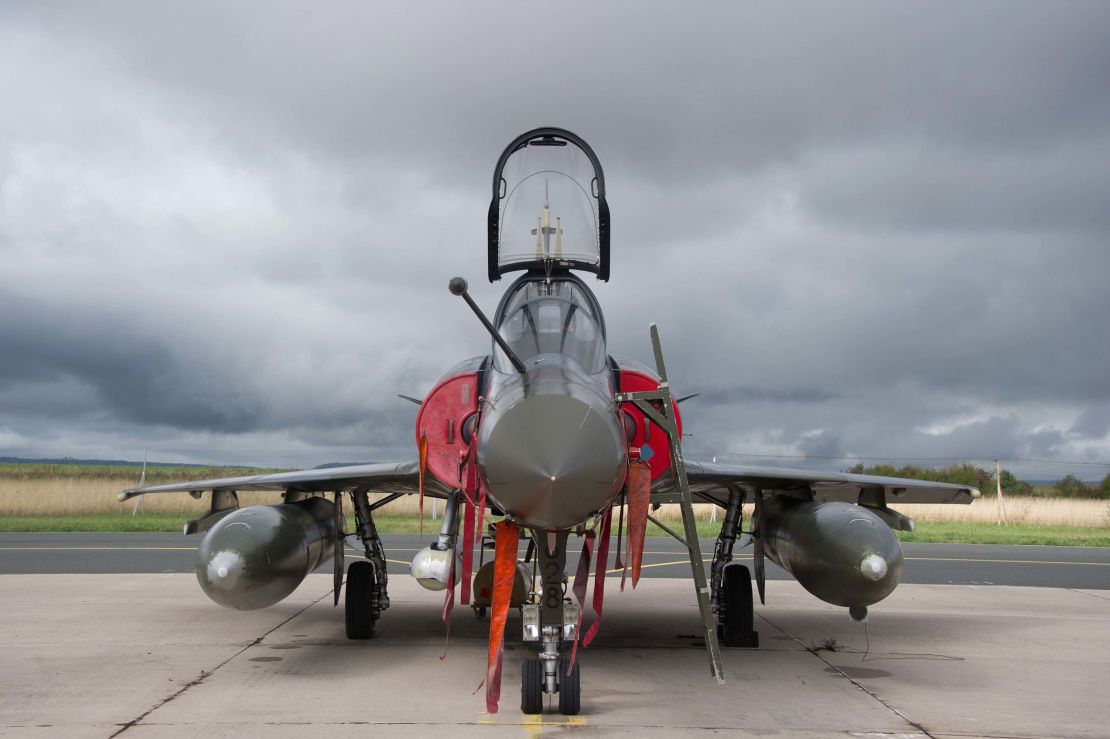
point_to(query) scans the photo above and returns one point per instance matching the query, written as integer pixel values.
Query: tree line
(968, 474)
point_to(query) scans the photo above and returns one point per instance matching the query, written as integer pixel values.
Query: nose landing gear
(551, 623)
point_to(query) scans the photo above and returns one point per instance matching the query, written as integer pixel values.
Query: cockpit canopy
(548, 209)
(556, 317)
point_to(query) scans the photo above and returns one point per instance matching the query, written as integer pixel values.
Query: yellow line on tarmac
(534, 721)
(1007, 561)
(644, 567)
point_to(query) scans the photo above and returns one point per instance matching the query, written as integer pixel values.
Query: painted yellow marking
(657, 564)
(399, 562)
(533, 723)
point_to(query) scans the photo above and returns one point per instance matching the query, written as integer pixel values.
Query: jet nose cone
(873, 567)
(552, 460)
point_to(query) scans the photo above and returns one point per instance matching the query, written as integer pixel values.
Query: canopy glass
(548, 210)
(551, 318)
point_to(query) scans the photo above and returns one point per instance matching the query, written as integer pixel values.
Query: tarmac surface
(149, 655)
(954, 564)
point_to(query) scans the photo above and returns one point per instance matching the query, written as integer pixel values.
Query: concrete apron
(89, 655)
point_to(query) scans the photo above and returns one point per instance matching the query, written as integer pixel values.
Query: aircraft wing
(403, 477)
(714, 480)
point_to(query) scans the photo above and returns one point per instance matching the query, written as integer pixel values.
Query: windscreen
(552, 318)
(549, 207)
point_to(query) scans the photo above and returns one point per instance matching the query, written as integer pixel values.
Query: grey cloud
(683, 94)
(229, 233)
(906, 185)
(1093, 422)
(822, 445)
(742, 394)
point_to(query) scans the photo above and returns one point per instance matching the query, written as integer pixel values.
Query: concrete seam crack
(850, 679)
(205, 674)
(1081, 592)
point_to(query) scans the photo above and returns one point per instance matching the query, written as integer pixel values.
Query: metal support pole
(998, 483)
(449, 530)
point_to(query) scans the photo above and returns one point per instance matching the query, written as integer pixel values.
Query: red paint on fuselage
(652, 435)
(441, 419)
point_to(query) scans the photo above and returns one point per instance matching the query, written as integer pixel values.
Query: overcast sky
(879, 230)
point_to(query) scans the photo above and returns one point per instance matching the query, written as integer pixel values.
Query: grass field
(54, 498)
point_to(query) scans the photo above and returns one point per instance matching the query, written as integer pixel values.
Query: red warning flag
(581, 579)
(423, 453)
(620, 535)
(468, 550)
(472, 484)
(479, 531)
(599, 575)
(639, 498)
(504, 575)
(448, 605)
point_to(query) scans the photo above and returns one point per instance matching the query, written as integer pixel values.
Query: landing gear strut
(550, 623)
(367, 582)
(732, 583)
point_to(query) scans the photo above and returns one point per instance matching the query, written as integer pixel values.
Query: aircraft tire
(357, 609)
(738, 629)
(531, 686)
(570, 689)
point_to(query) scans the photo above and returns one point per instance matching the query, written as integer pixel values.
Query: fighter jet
(547, 436)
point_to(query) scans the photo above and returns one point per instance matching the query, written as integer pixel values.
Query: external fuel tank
(840, 552)
(258, 555)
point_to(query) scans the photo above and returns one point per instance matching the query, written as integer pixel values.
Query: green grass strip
(987, 533)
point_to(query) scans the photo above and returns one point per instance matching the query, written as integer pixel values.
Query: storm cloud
(872, 230)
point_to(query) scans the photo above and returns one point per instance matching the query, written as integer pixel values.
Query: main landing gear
(732, 583)
(550, 626)
(367, 582)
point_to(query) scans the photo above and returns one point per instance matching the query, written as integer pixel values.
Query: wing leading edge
(713, 479)
(402, 477)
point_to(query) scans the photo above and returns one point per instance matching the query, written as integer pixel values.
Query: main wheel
(738, 629)
(531, 686)
(360, 591)
(570, 688)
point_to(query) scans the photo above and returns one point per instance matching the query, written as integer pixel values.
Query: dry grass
(1019, 510)
(67, 495)
(60, 496)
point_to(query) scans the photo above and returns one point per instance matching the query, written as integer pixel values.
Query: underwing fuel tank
(840, 552)
(258, 555)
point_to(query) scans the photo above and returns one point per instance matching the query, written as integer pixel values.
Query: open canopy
(548, 210)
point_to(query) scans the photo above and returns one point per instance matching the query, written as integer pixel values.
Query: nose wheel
(570, 688)
(532, 687)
